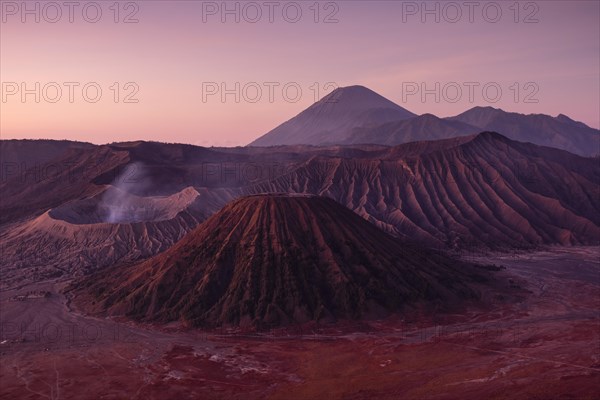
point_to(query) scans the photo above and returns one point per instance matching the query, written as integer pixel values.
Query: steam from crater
(118, 200)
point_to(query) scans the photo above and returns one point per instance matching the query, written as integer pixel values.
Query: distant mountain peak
(560, 132)
(566, 119)
(332, 119)
(357, 115)
(354, 88)
(485, 109)
(428, 116)
(357, 96)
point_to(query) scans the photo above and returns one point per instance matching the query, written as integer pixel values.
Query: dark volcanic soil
(546, 347)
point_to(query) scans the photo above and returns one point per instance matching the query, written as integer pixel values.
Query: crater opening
(116, 206)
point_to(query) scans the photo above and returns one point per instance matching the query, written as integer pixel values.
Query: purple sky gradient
(171, 52)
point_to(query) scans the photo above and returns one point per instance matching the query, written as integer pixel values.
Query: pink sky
(171, 53)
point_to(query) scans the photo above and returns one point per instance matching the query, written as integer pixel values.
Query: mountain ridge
(357, 115)
(476, 191)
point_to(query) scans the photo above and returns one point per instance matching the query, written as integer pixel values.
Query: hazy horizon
(99, 141)
(544, 57)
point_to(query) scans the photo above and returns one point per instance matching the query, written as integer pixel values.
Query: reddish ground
(547, 347)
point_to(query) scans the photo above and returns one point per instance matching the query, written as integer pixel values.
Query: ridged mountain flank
(480, 191)
(278, 259)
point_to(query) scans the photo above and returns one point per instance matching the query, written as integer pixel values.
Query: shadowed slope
(279, 259)
(423, 127)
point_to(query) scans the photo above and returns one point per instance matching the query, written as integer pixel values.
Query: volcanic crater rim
(117, 206)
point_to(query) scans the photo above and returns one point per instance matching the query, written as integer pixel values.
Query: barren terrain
(545, 347)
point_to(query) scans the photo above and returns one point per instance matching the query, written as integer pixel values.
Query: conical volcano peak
(278, 259)
(332, 119)
(358, 96)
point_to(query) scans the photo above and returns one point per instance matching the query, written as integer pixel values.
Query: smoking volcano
(118, 206)
(84, 235)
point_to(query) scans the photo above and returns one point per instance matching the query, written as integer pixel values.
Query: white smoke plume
(119, 202)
